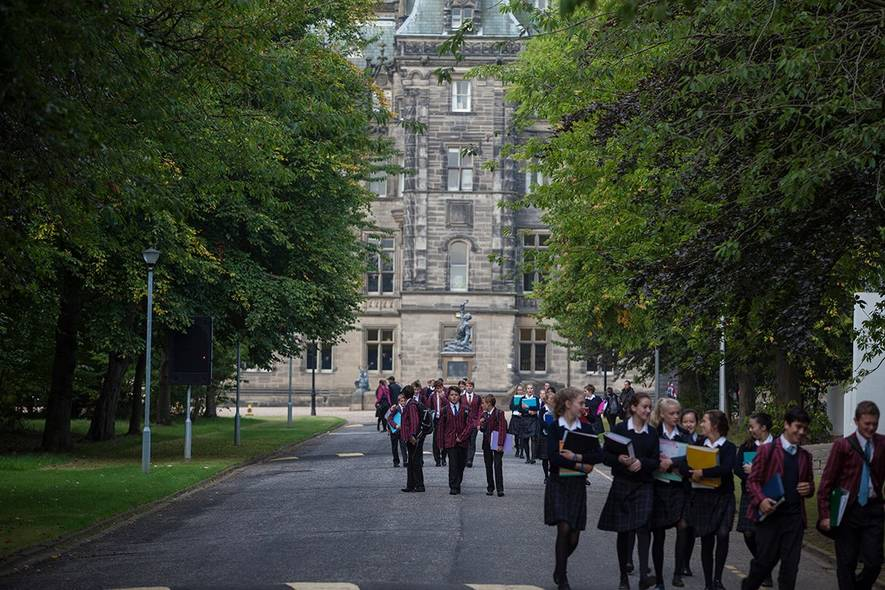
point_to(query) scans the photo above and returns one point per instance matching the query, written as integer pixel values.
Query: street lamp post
(150, 256)
(657, 374)
(313, 382)
(722, 397)
(290, 392)
(237, 413)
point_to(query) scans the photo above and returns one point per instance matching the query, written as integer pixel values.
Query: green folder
(838, 503)
(749, 456)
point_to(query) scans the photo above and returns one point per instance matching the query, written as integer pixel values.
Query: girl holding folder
(671, 491)
(759, 430)
(711, 510)
(565, 494)
(628, 509)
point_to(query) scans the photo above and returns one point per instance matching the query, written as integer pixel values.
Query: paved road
(322, 518)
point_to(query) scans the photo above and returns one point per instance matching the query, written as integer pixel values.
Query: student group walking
(666, 476)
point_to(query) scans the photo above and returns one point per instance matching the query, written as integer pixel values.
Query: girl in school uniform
(711, 511)
(382, 404)
(759, 430)
(684, 549)
(516, 421)
(529, 423)
(628, 508)
(545, 417)
(670, 496)
(565, 497)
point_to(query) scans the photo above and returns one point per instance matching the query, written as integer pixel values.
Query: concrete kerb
(21, 561)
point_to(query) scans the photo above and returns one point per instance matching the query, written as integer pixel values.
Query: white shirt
(719, 442)
(630, 426)
(759, 443)
(787, 444)
(469, 397)
(567, 426)
(672, 434)
(454, 408)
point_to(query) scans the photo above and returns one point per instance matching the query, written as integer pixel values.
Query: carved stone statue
(362, 381)
(463, 341)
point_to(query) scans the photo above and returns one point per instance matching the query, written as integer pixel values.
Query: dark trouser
(414, 472)
(778, 538)
(438, 454)
(471, 446)
(397, 446)
(611, 421)
(860, 535)
(494, 469)
(457, 460)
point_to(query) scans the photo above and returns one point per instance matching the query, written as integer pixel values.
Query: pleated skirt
(565, 500)
(669, 504)
(628, 506)
(710, 512)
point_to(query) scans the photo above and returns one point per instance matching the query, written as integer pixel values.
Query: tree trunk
(211, 407)
(57, 429)
(104, 417)
(786, 380)
(135, 408)
(746, 380)
(164, 393)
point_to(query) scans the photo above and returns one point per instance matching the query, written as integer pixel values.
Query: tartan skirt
(565, 500)
(710, 512)
(745, 525)
(669, 504)
(628, 506)
(541, 447)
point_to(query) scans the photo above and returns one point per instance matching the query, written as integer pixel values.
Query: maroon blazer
(844, 467)
(475, 408)
(495, 421)
(410, 421)
(453, 429)
(770, 460)
(431, 402)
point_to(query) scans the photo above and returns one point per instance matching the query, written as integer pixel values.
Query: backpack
(613, 408)
(425, 420)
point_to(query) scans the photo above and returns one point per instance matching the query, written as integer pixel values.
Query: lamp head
(151, 256)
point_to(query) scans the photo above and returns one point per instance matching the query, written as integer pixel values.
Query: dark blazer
(645, 447)
(725, 469)
(592, 406)
(453, 428)
(475, 408)
(491, 422)
(554, 436)
(844, 468)
(770, 460)
(746, 447)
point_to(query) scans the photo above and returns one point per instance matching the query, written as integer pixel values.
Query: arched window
(459, 253)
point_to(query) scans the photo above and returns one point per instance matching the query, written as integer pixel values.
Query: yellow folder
(702, 458)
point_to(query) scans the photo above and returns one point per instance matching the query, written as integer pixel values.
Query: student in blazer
(779, 534)
(454, 430)
(711, 512)
(565, 496)
(436, 403)
(685, 539)
(759, 431)
(855, 459)
(492, 420)
(473, 403)
(409, 431)
(628, 508)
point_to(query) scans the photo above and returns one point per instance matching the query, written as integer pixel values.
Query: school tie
(863, 494)
(791, 449)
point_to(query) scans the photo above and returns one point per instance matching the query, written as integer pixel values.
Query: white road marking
(345, 455)
(322, 586)
(293, 458)
(145, 588)
(353, 426)
(502, 587)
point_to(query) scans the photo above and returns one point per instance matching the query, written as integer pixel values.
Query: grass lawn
(43, 496)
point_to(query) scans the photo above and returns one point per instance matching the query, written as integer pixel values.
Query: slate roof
(426, 18)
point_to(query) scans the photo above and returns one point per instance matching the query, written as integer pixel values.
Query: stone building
(440, 225)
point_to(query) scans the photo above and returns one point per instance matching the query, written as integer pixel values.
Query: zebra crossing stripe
(322, 586)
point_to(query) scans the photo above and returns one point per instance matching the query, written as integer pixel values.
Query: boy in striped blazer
(493, 420)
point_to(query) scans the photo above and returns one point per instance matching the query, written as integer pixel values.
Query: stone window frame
(450, 265)
(536, 246)
(465, 12)
(464, 163)
(322, 346)
(379, 270)
(456, 85)
(380, 341)
(533, 342)
(378, 183)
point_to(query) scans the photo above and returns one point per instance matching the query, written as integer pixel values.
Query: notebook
(838, 503)
(703, 458)
(581, 443)
(774, 489)
(617, 444)
(508, 442)
(672, 450)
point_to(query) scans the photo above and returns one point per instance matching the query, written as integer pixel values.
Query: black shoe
(717, 584)
(452, 491)
(490, 492)
(660, 586)
(677, 581)
(629, 567)
(469, 465)
(625, 582)
(444, 463)
(419, 489)
(500, 494)
(532, 461)
(563, 583)
(545, 479)
(767, 583)
(396, 464)
(407, 490)
(437, 463)
(556, 577)
(646, 582)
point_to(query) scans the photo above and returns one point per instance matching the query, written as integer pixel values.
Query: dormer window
(460, 15)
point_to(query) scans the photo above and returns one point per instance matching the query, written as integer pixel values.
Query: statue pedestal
(457, 366)
(357, 400)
